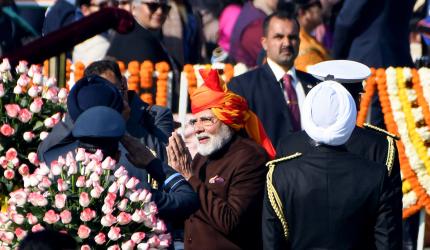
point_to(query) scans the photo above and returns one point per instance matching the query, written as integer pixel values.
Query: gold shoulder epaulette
(369, 126)
(286, 158)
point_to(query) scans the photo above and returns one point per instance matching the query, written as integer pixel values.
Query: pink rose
(97, 156)
(134, 197)
(165, 242)
(128, 245)
(15, 162)
(107, 209)
(32, 158)
(5, 65)
(62, 94)
(12, 110)
(56, 168)
(20, 234)
(3, 161)
(80, 155)
(23, 80)
(1, 90)
(160, 227)
(18, 218)
(52, 94)
(33, 91)
(24, 170)
(11, 154)
(19, 197)
(24, 115)
(138, 237)
(49, 122)
(84, 199)
(44, 183)
(120, 172)
(138, 216)
(31, 219)
(28, 136)
(37, 78)
(36, 105)
(143, 246)
(96, 191)
(17, 90)
(66, 217)
(83, 231)
(9, 174)
(114, 247)
(62, 185)
(51, 82)
(51, 217)
(154, 241)
(132, 183)
(6, 237)
(124, 218)
(87, 214)
(110, 199)
(122, 206)
(108, 163)
(114, 233)
(22, 67)
(100, 238)
(80, 182)
(85, 247)
(108, 220)
(7, 130)
(43, 135)
(113, 188)
(60, 200)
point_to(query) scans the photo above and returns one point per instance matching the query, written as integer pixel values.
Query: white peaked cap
(329, 114)
(342, 71)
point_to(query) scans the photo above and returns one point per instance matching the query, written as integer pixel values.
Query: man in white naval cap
(328, 198)
(369, 142)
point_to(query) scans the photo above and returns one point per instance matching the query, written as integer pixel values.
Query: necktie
(292, 102)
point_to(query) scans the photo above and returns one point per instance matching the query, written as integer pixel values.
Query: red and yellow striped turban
(230, 108)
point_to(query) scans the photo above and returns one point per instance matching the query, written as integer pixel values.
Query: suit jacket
(368, 144)
(230, 184)
(374, 32)
(331, 199)
(266, 98)
(62, 13)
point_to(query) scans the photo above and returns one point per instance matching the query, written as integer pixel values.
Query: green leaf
(38, 125)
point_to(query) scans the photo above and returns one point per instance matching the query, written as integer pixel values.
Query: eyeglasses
(153, 7)
(203, 121)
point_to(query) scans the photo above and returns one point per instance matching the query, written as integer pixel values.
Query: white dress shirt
(279, 74)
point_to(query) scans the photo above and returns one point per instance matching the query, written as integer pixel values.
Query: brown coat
(230, 184)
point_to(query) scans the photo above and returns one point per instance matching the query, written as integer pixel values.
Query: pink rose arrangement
(30, 105)
(86, 196)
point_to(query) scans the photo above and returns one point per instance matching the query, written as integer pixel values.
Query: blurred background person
(309, 15)
(245, 42)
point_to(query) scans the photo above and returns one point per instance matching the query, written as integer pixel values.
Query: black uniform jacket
(331, 199)
(365, 142)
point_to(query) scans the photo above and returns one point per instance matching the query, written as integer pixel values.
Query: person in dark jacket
(368, 142)
(174, 197)
(327, 197)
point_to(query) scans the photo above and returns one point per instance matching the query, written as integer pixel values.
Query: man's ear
(264, 43)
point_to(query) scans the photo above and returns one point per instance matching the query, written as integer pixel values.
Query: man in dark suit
(376, 33)
(275, 91)
(367, 142)
(327, 197)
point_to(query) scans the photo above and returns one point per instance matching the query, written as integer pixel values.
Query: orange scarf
(230, 108)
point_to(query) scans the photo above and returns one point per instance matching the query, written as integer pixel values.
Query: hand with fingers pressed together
(179, 158)
(138, 154)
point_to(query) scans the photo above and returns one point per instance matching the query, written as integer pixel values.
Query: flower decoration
(30, 105)
(85, 196)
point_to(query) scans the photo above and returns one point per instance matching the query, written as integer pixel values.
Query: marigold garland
(162, 69)
(133, 78)
(366, 98)
(78, 71)
(191, 78)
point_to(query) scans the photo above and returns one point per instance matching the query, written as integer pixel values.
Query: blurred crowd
(208, 31)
